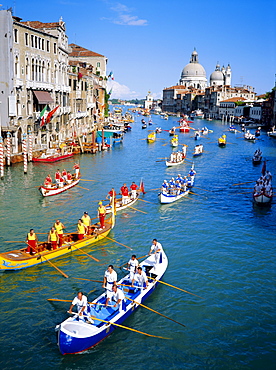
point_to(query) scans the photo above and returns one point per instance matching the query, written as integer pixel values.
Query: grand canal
(219, 247)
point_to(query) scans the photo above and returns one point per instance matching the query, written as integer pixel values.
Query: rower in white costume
(140, 278)
(156, 249)
(110, 279)
(81, 301)
(118, 296)
(132, 266)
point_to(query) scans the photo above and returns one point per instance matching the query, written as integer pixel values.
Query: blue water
(219, 245)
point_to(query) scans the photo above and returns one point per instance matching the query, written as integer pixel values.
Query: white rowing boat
(75, 336)
(54, 189)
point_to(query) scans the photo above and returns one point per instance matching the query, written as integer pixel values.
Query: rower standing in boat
(32, 242)
(59, 228)
(53, 238)
(110, 279)
(132, 266)
(156, 249)
(64, 174)
(133, 188)
(69, 177)
(81, 301)
(86, 220)
(76, 167)
(57, 177)
(82, 229)
(48, 181)
(101, 215)
(124, 192)
(140, 278)
(111, 194)
(119, 297)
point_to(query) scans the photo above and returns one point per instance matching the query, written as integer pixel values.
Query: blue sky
(148, 43)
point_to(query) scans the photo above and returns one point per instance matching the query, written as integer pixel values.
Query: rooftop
(79, 51)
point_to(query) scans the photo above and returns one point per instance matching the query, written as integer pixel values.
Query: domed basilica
(194, 75)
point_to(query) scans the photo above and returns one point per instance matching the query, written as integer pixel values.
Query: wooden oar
(77, 186)
(241, 183)
(14, 241)
(201, 188)
(63, 273)
(137, 259)
(150, 309)
(142, 200)
(115, 241)
(172, 286)
(93, 258)
(135, 209)
(154, 189)
(87, 180)
(191, 192)
(161, 160)
(245, 192)
(125, 327)
(95, 281)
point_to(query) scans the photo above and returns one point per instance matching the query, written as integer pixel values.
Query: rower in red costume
(124, 192)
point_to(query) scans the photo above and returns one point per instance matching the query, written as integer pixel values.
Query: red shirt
(57, 175)
(112, 193)
(124, 190)
(48, 178)
(133, 187)
(64, 173)
(69, 176)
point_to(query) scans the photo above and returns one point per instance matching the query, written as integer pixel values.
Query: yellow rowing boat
(18, 259)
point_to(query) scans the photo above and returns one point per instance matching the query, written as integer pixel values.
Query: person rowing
(53, 238)
(59, 228)
(81, 229)
(132, 266)
(86, 220)
(156, 249)
(110, 279)
(140, 278)
(81, 302)
(101, 215)
(119, 297)
(31, 240)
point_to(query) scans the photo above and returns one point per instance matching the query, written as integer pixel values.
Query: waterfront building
(227, 107)
(221, 76)
(148, 104)
(40, 72)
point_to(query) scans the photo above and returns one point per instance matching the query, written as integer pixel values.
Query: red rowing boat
(53, 158)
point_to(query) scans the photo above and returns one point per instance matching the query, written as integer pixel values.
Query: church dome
(193, 70)
(216, 75)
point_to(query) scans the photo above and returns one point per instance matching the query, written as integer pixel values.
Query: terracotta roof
(78, 51)
(39, 25)
(234, 100)
(177, 87)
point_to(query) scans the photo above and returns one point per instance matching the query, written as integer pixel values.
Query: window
(35, 41)
(26, 39)
(39, 43)
(75, 85)
(55, 48)
(48, 45)
(32, 41)
(15, 35)
(98, 65)
(42, 44)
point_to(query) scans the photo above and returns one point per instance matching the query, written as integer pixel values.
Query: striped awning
(43, 97)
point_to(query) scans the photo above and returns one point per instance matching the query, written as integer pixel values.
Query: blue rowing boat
(75, 336)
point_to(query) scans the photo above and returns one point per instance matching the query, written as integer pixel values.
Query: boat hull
(119, 206)
(167, 198)
(47, 192)
(171, 164)
(53, 158)
(75, 336)
(262, 199)
(185, 130)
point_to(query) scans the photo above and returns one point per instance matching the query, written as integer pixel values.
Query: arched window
(15, 35)
(16, 66)
(33, 70)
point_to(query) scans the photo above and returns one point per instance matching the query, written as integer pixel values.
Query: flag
(42, 116)
(142, 189)
(50, 114)
(111, 75)
(79, 76)
(264, 168)
(110, 92)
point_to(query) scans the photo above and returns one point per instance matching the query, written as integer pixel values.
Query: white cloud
(125, 17)
(128, 20)
(120, 91)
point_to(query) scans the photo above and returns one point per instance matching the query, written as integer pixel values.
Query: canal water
(219, 245)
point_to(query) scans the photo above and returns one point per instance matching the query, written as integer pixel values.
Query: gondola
(222, 141)
(76, 336)
(54, 189)
(263, 199)
(151, 137)
(120, 206)
(198, 150)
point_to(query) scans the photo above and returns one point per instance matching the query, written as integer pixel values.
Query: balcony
(37, 85)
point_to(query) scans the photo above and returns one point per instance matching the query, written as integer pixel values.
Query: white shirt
(110, 276)
(133, 264)
(80, 303)
(154, 248)
(141, 279)
(118, 295)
